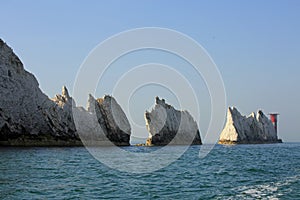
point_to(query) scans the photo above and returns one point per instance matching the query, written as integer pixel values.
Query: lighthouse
(273, 117)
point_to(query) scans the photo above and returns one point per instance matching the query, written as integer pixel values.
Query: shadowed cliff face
(27, 116)
(167, 125)
(255, 128)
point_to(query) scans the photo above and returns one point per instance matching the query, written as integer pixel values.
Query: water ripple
(228, 172)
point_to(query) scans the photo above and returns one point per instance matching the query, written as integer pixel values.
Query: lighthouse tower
(273, 117)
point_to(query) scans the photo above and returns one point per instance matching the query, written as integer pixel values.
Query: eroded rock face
(255, 128)
(109, 121)
(29, 118)
(59, 116)
(166, 125)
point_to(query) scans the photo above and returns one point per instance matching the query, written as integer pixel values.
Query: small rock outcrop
(166, 125)
(252, 129)
(29, 118)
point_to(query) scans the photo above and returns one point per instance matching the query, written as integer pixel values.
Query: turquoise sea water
(270, 171)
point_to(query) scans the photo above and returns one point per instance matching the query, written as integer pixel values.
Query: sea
(258, 171)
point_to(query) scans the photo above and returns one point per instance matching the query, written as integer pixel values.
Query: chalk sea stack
(253, 129)
(29, 118)
(111, 122)
(166, 125)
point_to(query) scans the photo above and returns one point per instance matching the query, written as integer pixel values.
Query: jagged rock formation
(28, 117)
(255, 128)
(166, 125)
(106, 122)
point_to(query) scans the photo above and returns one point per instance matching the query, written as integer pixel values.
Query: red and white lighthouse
(273, 117)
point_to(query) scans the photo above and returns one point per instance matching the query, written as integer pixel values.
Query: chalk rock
(111, 121)
(166, 125)
(255, 128)
(29, 118)
(59, 115)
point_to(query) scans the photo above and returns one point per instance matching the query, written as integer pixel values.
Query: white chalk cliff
(106, 122)
(29, 118)
(166, 125)
(255, 128)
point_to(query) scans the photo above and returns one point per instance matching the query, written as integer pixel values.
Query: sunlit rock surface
(166, 125)
(29, 118)
(255, 128)
(109, 121)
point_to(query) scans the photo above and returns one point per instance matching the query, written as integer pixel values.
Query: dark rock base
(49, 141)
(248, 142)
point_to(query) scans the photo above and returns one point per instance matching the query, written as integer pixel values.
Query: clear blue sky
(255, 44)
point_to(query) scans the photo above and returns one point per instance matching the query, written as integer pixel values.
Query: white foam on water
(265, 191)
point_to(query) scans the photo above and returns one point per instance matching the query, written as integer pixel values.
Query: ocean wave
(272, 190)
